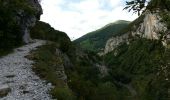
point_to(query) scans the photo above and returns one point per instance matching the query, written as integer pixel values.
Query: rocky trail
(17, 80)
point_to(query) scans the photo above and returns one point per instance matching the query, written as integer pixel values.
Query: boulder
(4, 90)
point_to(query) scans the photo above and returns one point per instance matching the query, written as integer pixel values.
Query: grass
(4, 52)
(46, 64)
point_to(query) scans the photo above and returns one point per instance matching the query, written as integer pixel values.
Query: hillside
(45, 65)
(138, 60)
(96, 40)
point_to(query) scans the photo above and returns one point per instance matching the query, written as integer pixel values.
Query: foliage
(10, 30)
(106, 91)
(44, 31)
(46, 62)
(46, 66)
(63, 93)
(136, 5)
(96, 40)
(83, 77)
(166, 19)
(161, 4)
(139, 6)
(139, 64)
(85, 81)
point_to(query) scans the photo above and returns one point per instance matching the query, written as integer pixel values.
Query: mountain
(96, 40)
(64, 64)
(138, 60)
(54, 61)
(135, 64)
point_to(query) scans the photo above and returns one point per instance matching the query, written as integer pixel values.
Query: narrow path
(17, 75)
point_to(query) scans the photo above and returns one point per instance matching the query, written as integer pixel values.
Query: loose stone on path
(17, 80)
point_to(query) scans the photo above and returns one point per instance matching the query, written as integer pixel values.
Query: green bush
(44, 31)
(105, 91)
(139, 63)
(10, 30)
(63, 93)
(46, 64)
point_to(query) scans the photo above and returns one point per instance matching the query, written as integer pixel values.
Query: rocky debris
(16, 73)
(4, 90)
(60, 68)
(103, 69)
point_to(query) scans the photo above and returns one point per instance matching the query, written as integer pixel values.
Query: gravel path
(16, 73)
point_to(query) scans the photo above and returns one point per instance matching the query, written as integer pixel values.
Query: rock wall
(151, 27)
(113, 42)
(27, 21)
(60, 71)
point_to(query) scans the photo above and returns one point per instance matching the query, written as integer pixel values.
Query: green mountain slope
(137, 65)
(94, 41)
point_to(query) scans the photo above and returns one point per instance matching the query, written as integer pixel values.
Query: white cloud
(79, 17)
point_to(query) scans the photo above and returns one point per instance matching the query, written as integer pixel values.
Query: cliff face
(142, 61)
(113, 42)
(151, 27)
(16, 19)
(28, 21)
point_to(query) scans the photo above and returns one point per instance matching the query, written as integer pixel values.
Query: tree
(161, 4)
(139, 5)
(136, 5)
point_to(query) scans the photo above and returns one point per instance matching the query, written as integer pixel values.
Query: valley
(121, 61)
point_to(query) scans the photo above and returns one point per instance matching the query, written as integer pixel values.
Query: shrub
(44, 31)
(10, 30)
(62, 93)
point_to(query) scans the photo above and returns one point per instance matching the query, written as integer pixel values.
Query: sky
(78, 17)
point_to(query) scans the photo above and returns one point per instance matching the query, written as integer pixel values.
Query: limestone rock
(27, 21)
(4, 90)
(151, 26)
(60, 70)
(113, 42)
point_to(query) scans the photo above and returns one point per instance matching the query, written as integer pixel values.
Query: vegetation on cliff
(10, 30)
(96, 40)
(84, 81)
(138, 70)
(143, 63)
(44, 31)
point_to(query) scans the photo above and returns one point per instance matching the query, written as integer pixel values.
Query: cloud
(78, 17)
